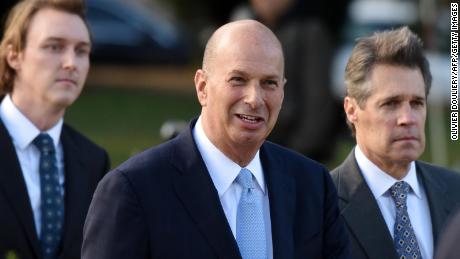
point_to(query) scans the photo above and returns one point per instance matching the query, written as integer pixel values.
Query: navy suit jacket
(162, 203)
(85, 164)
(369, 234)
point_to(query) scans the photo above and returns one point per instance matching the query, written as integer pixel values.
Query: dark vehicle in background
(126, 33)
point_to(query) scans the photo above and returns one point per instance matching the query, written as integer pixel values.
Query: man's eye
(271, 83)
(390, 103)
(82, 51)
(236, 79)
(418, 103)
(54, 47)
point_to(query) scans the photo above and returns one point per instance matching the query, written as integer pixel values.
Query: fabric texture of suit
(85, 164)
(369, 234)
(162, 203)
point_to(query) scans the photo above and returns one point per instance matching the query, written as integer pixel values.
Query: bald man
(219, 189)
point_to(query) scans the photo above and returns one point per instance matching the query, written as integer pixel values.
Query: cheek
(422, 118)
(274, 102)
(84, 66)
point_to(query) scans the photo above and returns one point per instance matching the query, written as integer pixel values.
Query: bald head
(244, 33)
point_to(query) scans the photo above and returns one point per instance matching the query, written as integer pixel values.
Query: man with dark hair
(219, 190)
(394, 206)
(48, 171)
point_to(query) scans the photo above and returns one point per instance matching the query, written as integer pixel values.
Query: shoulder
(348, 166)
(289, 157)
(450, 177)
(152, 165)
(442, 172)
(305, 172)
(152, 157)
(94, 157)
(79, 140)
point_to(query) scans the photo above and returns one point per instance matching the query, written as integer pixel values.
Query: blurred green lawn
(126, 121)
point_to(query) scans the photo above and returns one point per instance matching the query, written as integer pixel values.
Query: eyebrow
(235, 71)
(84, 43)
(399, 97)
(239, 72)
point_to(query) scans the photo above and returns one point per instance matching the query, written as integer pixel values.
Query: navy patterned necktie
(52, 203)
(250, 227)
(405, 241)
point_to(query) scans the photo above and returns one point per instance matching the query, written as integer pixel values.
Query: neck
(42, 116)
(241, 156)
(396, 170)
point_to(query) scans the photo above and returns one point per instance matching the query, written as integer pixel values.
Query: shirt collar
(380, 182)
(223, 170)
(21, 129)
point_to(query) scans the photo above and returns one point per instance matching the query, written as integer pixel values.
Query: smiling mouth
(249, 118)
(67, 81)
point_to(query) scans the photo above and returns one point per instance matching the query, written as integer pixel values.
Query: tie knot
(399, 192)
(44, 143)
(244, 178)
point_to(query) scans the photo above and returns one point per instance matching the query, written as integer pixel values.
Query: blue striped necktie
(52, 203)
(250, 227)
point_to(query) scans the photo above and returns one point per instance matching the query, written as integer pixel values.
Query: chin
(249, 139)
(65, 101)
(408, 155)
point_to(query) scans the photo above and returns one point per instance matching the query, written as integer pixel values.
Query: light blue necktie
(250, 227)
(405, 241)
(52, 204)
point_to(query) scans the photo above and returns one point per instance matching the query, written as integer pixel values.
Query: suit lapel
(439, 203)
(195, 189)
(13, 186)
(75, 181)
(361, 212)
(282, 204)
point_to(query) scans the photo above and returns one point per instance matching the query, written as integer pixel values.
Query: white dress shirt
(417, 203)
(223, 172)
(23, 132)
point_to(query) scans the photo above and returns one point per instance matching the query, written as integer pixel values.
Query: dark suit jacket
(85, 164)
(162, 203)
(369, 234)
(449, 247)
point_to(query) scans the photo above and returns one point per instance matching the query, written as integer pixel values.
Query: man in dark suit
(393, 205)
(48, 171)
(219, 190)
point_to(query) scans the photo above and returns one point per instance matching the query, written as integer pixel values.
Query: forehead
(51, 23)
(250, 56)
(394, 81)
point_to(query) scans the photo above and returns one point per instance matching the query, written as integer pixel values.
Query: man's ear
(13, 58)
(350, 107)
(201, 83)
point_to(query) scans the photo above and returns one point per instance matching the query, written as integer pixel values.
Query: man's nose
(407, 115)
(254, 96)
(69, 60)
